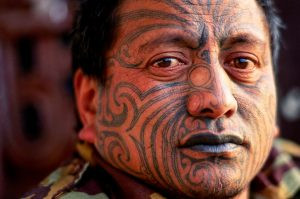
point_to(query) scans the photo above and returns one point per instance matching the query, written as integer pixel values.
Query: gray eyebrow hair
(146, 13)
(244, 38)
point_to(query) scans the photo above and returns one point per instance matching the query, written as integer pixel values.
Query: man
(176, 99)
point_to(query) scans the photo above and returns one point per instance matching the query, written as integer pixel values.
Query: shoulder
(62, 183)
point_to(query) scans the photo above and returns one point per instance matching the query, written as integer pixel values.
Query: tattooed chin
(214, 177)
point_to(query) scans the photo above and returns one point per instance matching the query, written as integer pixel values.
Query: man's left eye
(167, 62)
(242, 63)
(244, 68)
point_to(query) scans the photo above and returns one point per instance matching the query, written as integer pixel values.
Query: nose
(211, 94)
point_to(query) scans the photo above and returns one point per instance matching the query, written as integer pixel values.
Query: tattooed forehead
(219, 17)
(186, 10)
(184, 6)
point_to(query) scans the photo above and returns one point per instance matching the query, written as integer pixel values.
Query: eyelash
(168, 66)
(241, 66)
(248, 74)
(249, 58)
(161, 60)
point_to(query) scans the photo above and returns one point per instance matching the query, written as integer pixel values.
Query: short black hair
(275, 25)
(93, 34)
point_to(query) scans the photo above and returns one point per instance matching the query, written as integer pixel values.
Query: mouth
(212, 143)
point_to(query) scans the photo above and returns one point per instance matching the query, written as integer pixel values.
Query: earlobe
(88, 133)
(86, 93)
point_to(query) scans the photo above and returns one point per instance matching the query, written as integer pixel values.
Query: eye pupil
(241, 63)
(166, 62)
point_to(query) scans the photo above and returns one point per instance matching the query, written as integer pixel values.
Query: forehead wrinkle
(183, 7)
(214, 14)
(174, 5)
(219, 21)
(223, 26)
(149, 14)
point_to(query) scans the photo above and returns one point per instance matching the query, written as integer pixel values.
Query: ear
(87, 96)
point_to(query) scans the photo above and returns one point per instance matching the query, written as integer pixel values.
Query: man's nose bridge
(210, 78)
(211, 92)
(222, 87)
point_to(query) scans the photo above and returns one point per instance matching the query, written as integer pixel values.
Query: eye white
(166, 62)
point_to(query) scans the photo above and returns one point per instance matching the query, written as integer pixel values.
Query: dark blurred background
(36, 106)
(289, 70)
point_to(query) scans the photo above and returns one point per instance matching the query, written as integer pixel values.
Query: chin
(213, 178)
(217, 193)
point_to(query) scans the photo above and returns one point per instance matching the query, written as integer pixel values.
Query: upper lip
(211, 139)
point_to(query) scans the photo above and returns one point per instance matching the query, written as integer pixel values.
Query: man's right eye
(168, 66)
(168, 62)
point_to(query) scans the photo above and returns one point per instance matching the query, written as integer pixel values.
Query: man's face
(189, 102)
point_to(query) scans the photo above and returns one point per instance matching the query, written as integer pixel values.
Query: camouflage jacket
(85, 178)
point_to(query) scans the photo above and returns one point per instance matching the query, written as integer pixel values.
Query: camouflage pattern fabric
(280, 176)
(89, 177)
(61, 181)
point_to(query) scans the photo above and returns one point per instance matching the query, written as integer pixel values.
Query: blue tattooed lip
(220, 148)
(212, 143)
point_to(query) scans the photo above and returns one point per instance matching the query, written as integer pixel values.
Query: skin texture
(179, 70)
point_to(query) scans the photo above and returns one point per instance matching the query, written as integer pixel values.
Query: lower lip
(220, 148)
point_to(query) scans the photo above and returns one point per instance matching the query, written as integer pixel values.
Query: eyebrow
(244, 38)
(168, 39)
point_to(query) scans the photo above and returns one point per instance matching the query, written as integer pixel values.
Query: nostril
(206, 110)
(229, 113)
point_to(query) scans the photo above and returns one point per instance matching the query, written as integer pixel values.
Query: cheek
(257, 111)
(115, 142)
(257, 103)
(120, 75)
(133, 123)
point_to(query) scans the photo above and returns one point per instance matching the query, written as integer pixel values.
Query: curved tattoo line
(148, 119)
(174, 5)
(145, 167)
(151, 102)
(117, 119)
(154, 132)
(146, 13)
(144, 94)
(129, 39)
(118, 142)
(141, 144)
(172, 139)
(199, 163)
